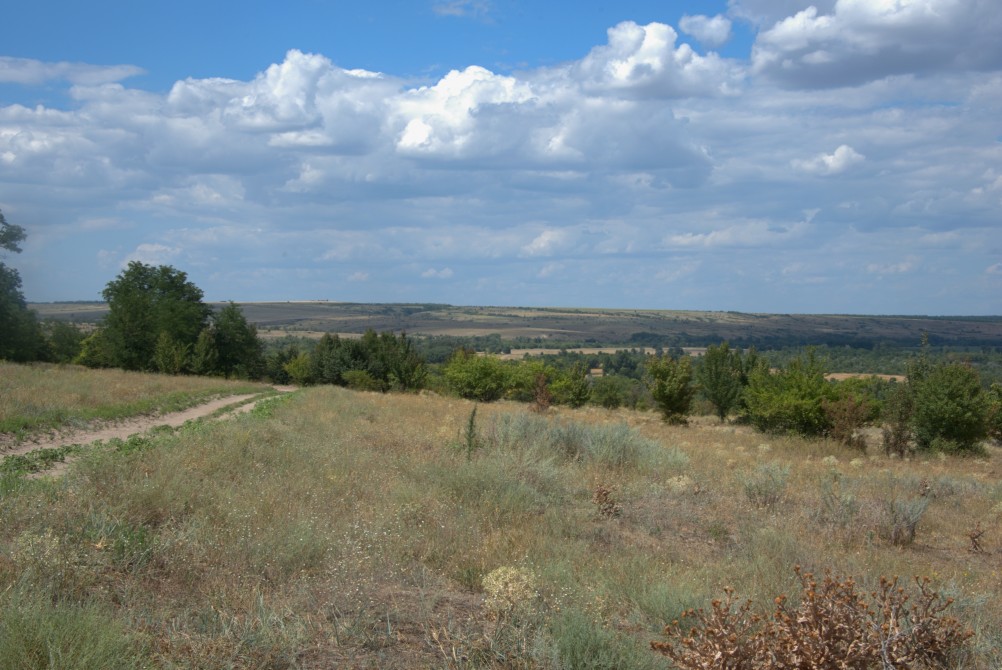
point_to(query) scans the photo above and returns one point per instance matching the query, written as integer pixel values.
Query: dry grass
(41, 396)
(341, 529)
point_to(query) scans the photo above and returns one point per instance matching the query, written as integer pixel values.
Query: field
(598, 326)
(337, 529)
(41, 396)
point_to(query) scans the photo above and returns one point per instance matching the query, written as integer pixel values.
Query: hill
(598, 326)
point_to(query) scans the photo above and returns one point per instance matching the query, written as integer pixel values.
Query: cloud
(152, 254)
(644, 61)
(901, 267)
(859, 41)
(32, 72)
(838, 162)
(576, 182)
(994, 269)
(712, 31)
(462, 8)
(432, 273)
(746, 234)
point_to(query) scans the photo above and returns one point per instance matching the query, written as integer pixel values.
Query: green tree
(791, 399)
(481, 378)
(572, 387)
(950, 409)
(65, 341)
(238, 349)
(719, 377)
(995, 412)
(170, 356)
(21, 336)
(145, 301)
(205, 355)
(670, 382)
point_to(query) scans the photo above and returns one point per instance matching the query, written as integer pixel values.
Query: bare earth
(135, 426)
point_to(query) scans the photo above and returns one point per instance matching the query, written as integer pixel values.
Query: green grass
(335, 529)
(41, 396)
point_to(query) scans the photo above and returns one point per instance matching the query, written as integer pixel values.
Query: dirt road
(128, 427)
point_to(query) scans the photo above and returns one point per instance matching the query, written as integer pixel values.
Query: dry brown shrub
(834, 627)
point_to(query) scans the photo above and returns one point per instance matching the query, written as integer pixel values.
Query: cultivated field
(601, 326)
(337, 529)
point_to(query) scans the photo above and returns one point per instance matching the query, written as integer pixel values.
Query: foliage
(950, 411)
(995, 412)
(237, 350)
(391, 362)
(719, 376)
(65, 341)
(480, 378)
(572, 387)
(897, 418)
(144, 302)
(299, 369)
(670, 382)
(170, 356)
(790, 399)
(20, 335)
(612, 391)
(833, 627)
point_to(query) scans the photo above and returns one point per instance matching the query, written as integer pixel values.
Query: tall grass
(335, 529)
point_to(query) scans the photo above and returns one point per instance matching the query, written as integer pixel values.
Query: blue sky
(751, 155)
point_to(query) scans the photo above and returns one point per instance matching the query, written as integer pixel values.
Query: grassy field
(601, 326)
(41, 396)
(329, 528)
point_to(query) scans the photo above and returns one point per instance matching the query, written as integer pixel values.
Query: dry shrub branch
(834, 627)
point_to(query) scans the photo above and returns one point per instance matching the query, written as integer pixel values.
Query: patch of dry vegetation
(337, 529)
(41, 396)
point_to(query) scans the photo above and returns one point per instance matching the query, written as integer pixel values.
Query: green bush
(791, 399)
(951, 410)
(670, 382)
(480, 378)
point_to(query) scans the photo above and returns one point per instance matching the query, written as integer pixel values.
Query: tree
(791, 399)
(64, 339)
(20, 334)
(950, 409)
(238, 350)
(670, 382)
(481, 378)
(572, 387)
(145, 301)
(719, 377)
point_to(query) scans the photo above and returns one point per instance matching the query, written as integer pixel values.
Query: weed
(765, 485)
(901, 518)
(833, 627)
(606, 502)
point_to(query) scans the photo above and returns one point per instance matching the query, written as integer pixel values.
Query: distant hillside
(599, 326)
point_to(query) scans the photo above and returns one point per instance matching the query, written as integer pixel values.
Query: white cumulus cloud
(843, 158)
(713, 31)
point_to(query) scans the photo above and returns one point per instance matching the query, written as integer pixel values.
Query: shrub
(897, 417)
(834, 627)
(670, 382)
(951, 411)
(480, 378)
(765, 485)
(572, 387)
(790, 400)
(995, 412)
(719, 376)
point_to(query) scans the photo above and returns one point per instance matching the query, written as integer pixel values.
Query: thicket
(374, 362)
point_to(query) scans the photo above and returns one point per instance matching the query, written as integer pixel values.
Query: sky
(775, 156)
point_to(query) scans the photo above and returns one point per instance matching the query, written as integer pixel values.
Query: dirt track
(128, 427)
